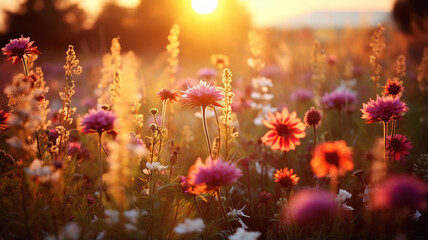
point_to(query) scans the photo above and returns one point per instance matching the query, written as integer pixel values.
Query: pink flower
(18, 48)
(76, 149)
(398, 146)
(216, 173)
(383, 109)
(311, 206)
(167, 94)
(202, 95)
(338, 99)
(301, 95)
(398, 192)
(207, 73)
(98, 121)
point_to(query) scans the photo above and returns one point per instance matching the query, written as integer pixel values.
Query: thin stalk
(170, 173)
(219, 136)
(384, 146)
(333, 184)
(207, 136)
(153, 147)
(175, 218)
(315, 140)
(340, 122)
(25, 67)
(38, 146)
(162, 126)
(223, 212)
(100, 163)
(24, 208)
(197, 207)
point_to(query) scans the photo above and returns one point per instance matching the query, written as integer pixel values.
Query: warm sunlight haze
(204, 6)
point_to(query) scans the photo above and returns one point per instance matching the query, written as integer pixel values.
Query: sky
(265, 12)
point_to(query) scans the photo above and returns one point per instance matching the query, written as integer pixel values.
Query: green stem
(207, 137)
(315, 140)
(162, 126)
(223, 212)
(384, 146)
(219, 136)
(197, 207)
(100, 163)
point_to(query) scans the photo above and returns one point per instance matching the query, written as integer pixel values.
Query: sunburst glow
(204, 6)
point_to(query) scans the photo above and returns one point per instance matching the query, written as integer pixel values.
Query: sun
(204, 6)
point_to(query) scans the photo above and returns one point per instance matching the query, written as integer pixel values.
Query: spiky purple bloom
(398, 192)
(216, 173)
(383, 109)
(207, 73)
(202, 95)
(301, 95)
(311, 206)
(312, 117)
(18, 48)
(98, 121)
(398, 146)
(338, 99)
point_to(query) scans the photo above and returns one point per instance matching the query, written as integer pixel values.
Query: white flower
(153, 167)
(130, 227)
(112, 216)
(72, 231)
(146, 192)
(342, 196)
(190, 226)
(346, 207)
(131, 215)
(36, 168)
(367, 192)
(241, 234)
(255, 95)
(101, 236)
(267, 96)
(416, 216)
(237, 214)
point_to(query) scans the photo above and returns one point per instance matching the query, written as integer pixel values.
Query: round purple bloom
(312, 117)
(18, 48)
(338, 99)
(98, 121)
(216, 173)
(383, 109)
(400, 191)
(398, 146)
(311, 206)
(301, 95)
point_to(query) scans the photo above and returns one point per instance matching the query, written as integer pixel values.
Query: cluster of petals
(216, 173)
(338, 99)
(202, 95)
(333, 158)
(312, 117)
(285, 130)
(383, 109)
(242, 234)
(341, 198)
(154, 167)
(190, 226)
(18, 48)
(393, 88)
(398, 146)
(98, 121)
(285, 177)
(168, 95)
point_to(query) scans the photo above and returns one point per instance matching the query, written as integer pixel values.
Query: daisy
(285, 177)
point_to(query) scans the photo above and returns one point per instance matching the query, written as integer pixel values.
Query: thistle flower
(398, 146)
(393, 88)
(398, 192)
(312, 117)
(167, 94)
(18, 48)
(311, 207)
(216, 173)
(301, 95)
(98, 121)
(285, 177)
(190, 226)
(202, 95)
(383, 109)
(285, 130)
(332, 157)
(338, 99)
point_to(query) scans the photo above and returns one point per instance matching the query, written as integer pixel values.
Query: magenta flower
(383, 109)
(301, 95)
(207, 73)
(311, 206)
(338, 99)
(202, 95)
(398, 146)
(18, 48)
(98, 121)
(398, 192)
(216, 173)
(76, 149)
(167, 94)
(312, 117)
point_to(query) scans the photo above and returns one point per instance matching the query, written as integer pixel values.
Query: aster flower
(393, 88)
(312, 117)
(168, 95)
(338, 99)
(98, 121)
(301, 95)
(216, 173)
(398, 146)
(332, 157)
(242, 234)
(190, 226)
(285, 130)
(398, 192)
(311, 207)
(202, 95)
(383, 109)
(286, 177)
(18, 48)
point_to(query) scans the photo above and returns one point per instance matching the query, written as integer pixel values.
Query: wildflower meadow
(289, 135)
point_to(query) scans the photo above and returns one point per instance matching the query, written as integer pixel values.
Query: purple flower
(398, 146)
(383, 109)
(98, 121)
(338, 99)
(216, 173)
(398, 192)
(207, 73)
(311, 206)
(202, 95)
(18, 48)
(301, 95)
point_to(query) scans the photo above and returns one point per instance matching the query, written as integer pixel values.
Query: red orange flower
(393, 88)
(167, 94)
(285, 130)
(332, 157)
(188, 184)
(286, 177)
